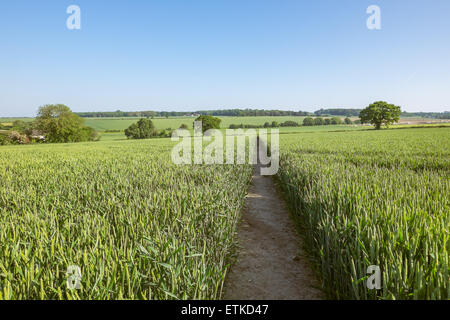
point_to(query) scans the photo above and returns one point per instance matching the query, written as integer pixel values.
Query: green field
(102, 124)
(373, 198)
(138, 226)
(141, 227)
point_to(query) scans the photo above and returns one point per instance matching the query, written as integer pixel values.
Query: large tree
(319, 122)
(143, 129)
(308, 121)
(209, 122)
(380, 113)
(59, 124)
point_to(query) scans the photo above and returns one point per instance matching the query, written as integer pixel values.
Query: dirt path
(270, 262)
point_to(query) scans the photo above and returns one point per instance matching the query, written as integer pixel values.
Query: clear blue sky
(192, 55)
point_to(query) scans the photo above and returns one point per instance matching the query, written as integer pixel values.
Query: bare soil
(271, 263)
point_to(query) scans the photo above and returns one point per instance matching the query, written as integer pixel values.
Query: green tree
(348, 121)
(289, 123)
(209, 122)
(319, 122)
(327, 121)
(143, 129)
(308, 121)
(275, 124)
(380, 113)
(336, 120)
(59, 124)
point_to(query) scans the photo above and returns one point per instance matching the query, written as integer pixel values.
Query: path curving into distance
(271, 264)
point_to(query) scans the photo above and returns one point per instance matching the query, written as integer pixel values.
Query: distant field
(11, 120)
(102, 124)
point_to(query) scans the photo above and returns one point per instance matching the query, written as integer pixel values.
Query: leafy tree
(59, 124)
(4, 139)
(184, 126)
(267, 125)
(380, 113)
(275, 124)
(308, 121)
(289, 124)
(19, 125)
(319, 122)
(89, 134)
(209, 122)
(143, 129)
(348, 121)
(338, 112)
(336, 120)
(327, 121)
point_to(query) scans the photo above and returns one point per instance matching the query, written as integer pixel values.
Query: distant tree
(348, 121)
(338, 112)
(267, 125)
(19, 125)
(275, 124)
(89, 134)
(319, 122)
(308, 121)
(184, 126)
(327, 121)
(289, 124)
(209, 122)
(59, 124)
(380, 113)
(24, 127)
(4, 139)
(336, 120)
(143, 129)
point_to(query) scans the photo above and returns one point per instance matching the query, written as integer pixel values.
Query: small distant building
(38, 138)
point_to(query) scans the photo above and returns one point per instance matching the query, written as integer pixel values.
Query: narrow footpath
(270, 263)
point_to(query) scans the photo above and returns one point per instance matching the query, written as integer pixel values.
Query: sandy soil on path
(270, 263)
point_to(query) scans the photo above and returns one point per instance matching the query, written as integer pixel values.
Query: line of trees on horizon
(343, 112)
(163, 114)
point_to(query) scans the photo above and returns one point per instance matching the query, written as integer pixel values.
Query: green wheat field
(141, 227)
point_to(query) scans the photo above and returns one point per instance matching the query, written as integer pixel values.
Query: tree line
(343, 112)
(163, 114)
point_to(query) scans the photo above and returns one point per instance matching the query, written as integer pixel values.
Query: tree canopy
(308, 121)
(319, 122)
(209, 122)
(143, 129)
(59, 124)
(380, 113)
